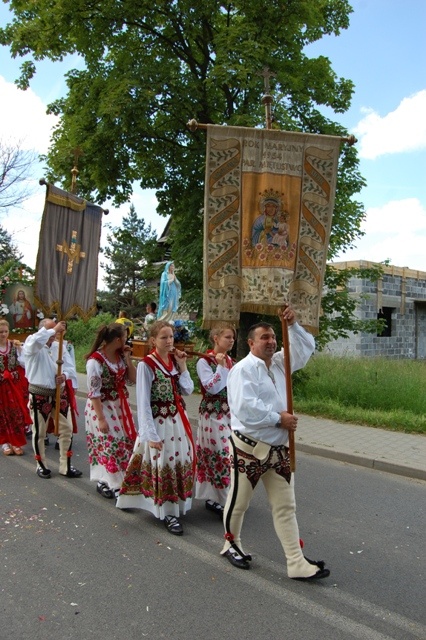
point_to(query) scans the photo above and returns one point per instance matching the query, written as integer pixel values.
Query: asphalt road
(75, 567)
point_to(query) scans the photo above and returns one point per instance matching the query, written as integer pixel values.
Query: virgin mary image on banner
(21, 309)
(271, 238)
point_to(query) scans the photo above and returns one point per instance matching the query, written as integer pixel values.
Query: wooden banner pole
(289, 390)
(59, 362)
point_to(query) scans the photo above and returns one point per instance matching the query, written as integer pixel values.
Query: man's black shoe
(236, 560)
(319, 563)
(319, 575)
(72, 473)
(44, 473)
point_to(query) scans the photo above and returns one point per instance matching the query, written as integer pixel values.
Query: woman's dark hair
(106, 334)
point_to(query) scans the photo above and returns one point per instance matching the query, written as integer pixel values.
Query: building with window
(399, 298)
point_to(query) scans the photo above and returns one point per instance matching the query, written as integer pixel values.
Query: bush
(82, 334)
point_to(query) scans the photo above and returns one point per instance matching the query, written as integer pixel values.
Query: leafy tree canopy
(151, 66)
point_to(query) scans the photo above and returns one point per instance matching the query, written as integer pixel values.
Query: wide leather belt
(254, 443)
(41, 391)
(245, 439)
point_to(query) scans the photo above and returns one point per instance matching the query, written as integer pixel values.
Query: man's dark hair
(258, 325)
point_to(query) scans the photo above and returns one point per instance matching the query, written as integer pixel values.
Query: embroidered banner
(269, 198)
(67, 260)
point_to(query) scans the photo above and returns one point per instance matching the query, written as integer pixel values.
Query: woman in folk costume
(110, 429)
(170, 292)
(14, 413)
(212, 479)
(160, 474)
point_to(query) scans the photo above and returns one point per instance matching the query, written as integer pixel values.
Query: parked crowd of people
(155, 464)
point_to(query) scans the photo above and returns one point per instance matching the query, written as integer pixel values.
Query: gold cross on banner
(73, 251)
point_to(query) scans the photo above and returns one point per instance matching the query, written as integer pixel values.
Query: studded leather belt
(253, 443)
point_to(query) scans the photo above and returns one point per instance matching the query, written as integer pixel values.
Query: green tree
(131, 253)
(339, 306)
(150, 67)
(9, 252)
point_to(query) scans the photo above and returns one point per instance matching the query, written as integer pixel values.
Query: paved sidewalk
(400, 453)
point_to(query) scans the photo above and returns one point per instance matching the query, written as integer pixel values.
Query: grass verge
(377, 392)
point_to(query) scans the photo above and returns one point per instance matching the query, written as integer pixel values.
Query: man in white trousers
(41, 355)
(260, 425)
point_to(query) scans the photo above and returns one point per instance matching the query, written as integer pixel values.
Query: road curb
(363, 461)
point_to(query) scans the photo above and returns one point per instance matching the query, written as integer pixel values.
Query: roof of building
(403, 272)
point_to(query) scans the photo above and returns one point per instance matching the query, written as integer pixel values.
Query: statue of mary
(170, 291)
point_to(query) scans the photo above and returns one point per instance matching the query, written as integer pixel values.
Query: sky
(383, 52)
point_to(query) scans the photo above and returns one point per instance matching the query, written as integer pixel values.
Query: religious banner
(17, 300)
(67, 260)
(269, 198)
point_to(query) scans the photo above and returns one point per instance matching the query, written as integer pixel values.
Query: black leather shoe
(236, 560)
(72, 473)
(104, 490)
(215, 507)
(319, 563)
(319, 575)
(44, 473)
(173, 525)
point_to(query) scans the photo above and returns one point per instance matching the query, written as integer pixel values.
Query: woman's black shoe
(215, 507)
(104, 490)
(173, 525)
(236, 560)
